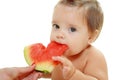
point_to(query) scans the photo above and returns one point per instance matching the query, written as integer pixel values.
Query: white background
(24, 22)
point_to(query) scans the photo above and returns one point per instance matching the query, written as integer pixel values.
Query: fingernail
(32, 65)
(53, 57)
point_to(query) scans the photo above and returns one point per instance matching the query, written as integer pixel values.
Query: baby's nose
(60, 36)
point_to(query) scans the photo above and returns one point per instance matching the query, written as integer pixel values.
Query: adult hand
(19, 73)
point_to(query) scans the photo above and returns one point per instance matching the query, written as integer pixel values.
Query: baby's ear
(93, 36)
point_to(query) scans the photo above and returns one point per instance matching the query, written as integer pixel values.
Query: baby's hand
(67, 66)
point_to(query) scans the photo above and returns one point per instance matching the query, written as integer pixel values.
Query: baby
(77, 23)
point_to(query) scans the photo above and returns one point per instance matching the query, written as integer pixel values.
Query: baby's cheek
(69, 52)
(75, 50)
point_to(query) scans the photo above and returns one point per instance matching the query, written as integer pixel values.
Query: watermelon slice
(41, 56)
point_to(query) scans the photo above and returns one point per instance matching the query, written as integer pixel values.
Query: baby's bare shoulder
(96, 64)
(94, 53)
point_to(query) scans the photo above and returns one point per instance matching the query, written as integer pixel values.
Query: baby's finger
(56, 58)
(67, 66)
(63, 60)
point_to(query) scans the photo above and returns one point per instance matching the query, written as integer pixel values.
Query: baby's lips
(61, 44)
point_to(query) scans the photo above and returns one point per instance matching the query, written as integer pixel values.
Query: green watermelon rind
(27, 56)
(45, 67)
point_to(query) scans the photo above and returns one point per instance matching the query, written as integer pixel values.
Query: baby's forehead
(68, 10)
(80, 10)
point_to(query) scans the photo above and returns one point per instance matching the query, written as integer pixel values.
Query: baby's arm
(95, 69)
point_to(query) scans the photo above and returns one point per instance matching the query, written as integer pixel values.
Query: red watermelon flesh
(41, 56)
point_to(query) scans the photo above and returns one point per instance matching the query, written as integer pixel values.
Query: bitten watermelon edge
(41, 56)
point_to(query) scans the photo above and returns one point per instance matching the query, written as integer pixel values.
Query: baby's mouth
(60, 43)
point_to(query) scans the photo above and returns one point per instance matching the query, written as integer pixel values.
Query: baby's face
(68, 27)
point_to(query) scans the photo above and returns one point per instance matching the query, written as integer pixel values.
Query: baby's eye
(56, 26)
(72, 29)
